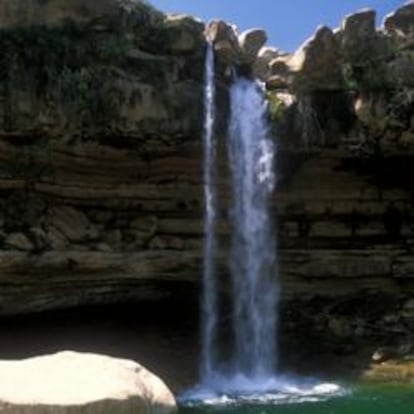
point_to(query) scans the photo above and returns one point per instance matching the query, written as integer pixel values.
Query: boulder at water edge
(71, 382)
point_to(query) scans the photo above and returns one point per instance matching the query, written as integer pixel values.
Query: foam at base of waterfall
(220, 390)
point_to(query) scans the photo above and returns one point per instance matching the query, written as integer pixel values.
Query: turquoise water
(357, 400)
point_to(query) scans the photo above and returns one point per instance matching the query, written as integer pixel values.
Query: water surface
(358, 400)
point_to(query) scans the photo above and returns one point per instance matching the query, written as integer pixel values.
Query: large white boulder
(71, 382)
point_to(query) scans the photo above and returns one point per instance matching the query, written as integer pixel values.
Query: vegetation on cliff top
(77, 69)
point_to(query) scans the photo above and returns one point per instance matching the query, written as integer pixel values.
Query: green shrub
(276, 107)
(64, 65)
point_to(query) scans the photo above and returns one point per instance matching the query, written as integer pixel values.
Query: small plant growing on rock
(276, 107)
(349, 77)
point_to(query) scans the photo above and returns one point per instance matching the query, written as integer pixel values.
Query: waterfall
(252, 260)
(251, 377)
(252, 257)
(209, 277)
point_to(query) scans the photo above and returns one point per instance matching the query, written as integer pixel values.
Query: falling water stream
(209, 277)
(251, 155)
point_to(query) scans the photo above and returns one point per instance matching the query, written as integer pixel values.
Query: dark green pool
(359, 400)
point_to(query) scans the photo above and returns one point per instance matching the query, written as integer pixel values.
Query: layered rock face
(342, 109)
(101, 113)
(101, 166)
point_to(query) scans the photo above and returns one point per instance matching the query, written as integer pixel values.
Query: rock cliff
(100, 163)
(342, 108)
(101, 112)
